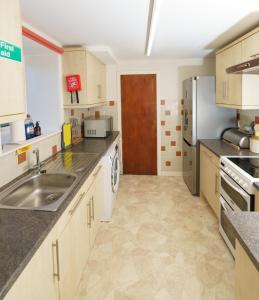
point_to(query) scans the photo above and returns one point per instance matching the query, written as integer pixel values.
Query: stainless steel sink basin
(38, 192)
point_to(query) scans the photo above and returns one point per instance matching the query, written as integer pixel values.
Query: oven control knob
(241, 182)
(245, 185)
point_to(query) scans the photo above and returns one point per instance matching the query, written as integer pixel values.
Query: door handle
(56, 273)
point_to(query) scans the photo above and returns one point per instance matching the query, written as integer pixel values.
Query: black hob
(249, 164)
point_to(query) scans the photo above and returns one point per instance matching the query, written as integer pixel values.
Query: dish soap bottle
(37, 129)
(29, 128)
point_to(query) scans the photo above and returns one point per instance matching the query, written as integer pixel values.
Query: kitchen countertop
(23, 231)
(246, 226)
(221, 148)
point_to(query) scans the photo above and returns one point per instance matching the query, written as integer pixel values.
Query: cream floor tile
(162, 244)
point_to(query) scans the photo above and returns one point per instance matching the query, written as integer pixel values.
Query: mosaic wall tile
(178, 153)
(162, 123)
(171, 114)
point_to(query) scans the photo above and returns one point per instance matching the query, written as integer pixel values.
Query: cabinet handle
(254, 55)
(216, 184)
(77, 203)
(98, 170)
(56, 274)
(92, 200)
(245, 65)
(89, 222)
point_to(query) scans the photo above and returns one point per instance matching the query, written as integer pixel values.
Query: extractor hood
(248, 67)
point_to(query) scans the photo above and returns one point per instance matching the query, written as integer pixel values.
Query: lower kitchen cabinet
(72, 249)
(246, 276)
(37, 280)
(55, 270)
(96, 195)
(210, 178)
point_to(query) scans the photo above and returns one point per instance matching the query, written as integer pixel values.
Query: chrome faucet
(37, 166)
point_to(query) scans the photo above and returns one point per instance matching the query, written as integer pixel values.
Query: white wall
(10, 168)
(170, 75)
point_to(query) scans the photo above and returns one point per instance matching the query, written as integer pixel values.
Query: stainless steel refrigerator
(202, 120)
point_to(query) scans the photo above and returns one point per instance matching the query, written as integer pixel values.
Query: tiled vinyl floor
(162, 244)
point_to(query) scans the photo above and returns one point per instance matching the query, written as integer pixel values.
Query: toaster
(97, 127)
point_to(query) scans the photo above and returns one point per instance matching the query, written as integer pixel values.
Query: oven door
(225, 227)
(238, 198)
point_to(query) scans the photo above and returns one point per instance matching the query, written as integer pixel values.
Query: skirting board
(168, 173)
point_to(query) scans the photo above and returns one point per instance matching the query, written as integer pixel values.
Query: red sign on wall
(73, 83)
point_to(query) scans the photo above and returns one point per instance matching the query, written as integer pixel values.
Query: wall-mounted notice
(10, 51)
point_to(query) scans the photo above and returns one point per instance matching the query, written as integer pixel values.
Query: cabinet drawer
(78, 197)
(212, 157)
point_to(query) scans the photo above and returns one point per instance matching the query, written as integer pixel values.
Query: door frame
(158, 128)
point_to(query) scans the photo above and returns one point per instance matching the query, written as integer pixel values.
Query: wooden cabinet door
(233, 56)
(74, 62)
(12, 92)
(221, 78)
(246, 276)
(228, 86)
(103, 82)
(73, 250)
(95, 204)
(250, 47)
(37, 280)
(92, 79)
(214, 188)
(209, 179)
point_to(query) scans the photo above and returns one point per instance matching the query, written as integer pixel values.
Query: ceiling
(185, 29)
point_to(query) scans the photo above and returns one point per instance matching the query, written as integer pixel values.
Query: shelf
(78, 106)
(10, 148)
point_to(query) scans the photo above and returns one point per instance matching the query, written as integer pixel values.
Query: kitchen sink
(38, 192)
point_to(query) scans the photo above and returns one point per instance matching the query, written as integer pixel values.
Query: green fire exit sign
(10, 51)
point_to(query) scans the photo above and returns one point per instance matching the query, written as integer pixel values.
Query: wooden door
(139, 124)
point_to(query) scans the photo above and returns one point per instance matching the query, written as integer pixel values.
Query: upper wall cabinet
(78, 61)
(12, 92)
(238, 90)
(250, 47)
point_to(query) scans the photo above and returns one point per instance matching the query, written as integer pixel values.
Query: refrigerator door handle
(190, 145)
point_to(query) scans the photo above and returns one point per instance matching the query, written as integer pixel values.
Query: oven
(232, 198)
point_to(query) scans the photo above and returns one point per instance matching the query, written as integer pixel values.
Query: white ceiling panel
(186, 28)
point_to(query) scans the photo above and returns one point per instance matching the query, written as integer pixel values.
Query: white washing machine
(111, 164)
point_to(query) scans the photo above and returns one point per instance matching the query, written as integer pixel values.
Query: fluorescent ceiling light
(153, 19)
